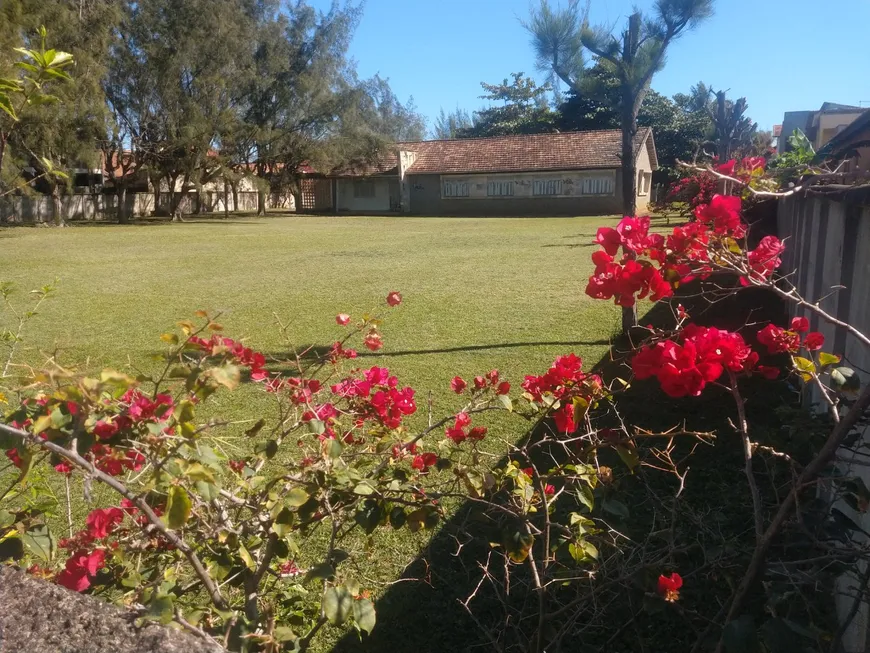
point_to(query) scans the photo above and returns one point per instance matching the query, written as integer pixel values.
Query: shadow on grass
(428, 616)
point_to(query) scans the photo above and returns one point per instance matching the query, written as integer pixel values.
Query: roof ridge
(505, 136)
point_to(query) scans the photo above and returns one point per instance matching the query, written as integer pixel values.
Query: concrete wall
(380, 203)
(829, 125)
(426, 196)
(644, 165)
(828, 245)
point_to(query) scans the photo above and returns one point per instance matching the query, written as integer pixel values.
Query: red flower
(723, 213)
(456, 434)
(633, 232)
(463, 420)
(669, 587)
(478, 433)
(458, 385)
(373, 341)
(778, 340)
(343, 319)
(424, 461)
(767, 372)
(814, 341)
(394, 298)
(609, 239)
(80, 570)
(800, 325)
(101, 523)
(12, 455)
(289, 569)
(63, 467)
(237, 465)
(727, 169)
(503, 388)
(549, 490)
(479, 383)
(764, 259)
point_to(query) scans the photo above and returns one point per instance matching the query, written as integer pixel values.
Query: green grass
(479, 293)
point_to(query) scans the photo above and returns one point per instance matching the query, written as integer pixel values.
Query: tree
(449, 125)
(733, 129)
(524, 109)
(635, 56)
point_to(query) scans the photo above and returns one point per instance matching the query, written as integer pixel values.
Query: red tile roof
(522, 153)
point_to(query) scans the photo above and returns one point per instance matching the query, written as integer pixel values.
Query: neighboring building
(575, 173)
(777, 134)
(851, 144)
(819, 126)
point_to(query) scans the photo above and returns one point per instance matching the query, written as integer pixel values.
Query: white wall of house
(587, 183)
(363, 194)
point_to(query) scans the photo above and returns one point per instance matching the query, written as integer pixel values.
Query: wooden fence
(828, 254)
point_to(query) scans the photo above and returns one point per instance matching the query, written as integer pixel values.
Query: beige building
(851, 144)
(819, 126)
(574, 173)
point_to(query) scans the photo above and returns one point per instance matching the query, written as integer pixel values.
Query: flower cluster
(566, 388)
(491, 380)
(788, 341)
(460, 432)
(700, 356)
(653, 265)
(218, 346)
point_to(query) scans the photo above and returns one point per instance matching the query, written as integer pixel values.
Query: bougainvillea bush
(268, 550)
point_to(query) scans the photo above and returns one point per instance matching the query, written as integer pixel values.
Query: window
(363, 189)
(600, 185)
(500, 189)
(644, 181)
(543, 187)
(455, 189)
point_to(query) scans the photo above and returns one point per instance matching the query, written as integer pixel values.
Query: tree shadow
(429, 616)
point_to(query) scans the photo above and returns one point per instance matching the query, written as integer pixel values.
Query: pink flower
(373, 341)
(458, 385)
(609, 239)
(343, 319)
(814, 341)
(394, 298)
(80, 569)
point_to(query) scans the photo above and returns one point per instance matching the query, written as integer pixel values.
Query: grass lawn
(478, 294)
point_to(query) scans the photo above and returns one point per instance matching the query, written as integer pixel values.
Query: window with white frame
(455, 188)
(500, 189)
(363, 189)
(544, 187)
(644, 181)
(597, 185)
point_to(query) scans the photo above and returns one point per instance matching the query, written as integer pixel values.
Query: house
(851, 144)
(819, 126)
(575, 173)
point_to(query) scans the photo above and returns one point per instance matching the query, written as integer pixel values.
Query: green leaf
(506, 402)
(629, 456)
(397, 517)
(208, 491)
(247, 558)
(334, 449)
(616, 508)
(11, 548)
(296, 497)
(185, 410)
(364, 615)
(40, 542)
(518, 544)
(586, 497)
(178, 507)
(337, 604)
(739, 636)
(364, 489)
(161, 609)
(227, 376)
(826, 359)
(196, 472)
(583, 551)
(846, 381)
(6, 519)
(322, 571)
(805, 367)
(317, 426)
(284, 634)
(6, 105)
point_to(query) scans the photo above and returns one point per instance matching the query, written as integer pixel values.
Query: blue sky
(782, 55)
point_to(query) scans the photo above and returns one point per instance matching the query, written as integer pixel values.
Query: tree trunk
(723, 148)
(122, 205)
(261, 202)
(56, 208)
(234, 187)
(198, 209)
(3, 138)
(629, 184)
(226, 199)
